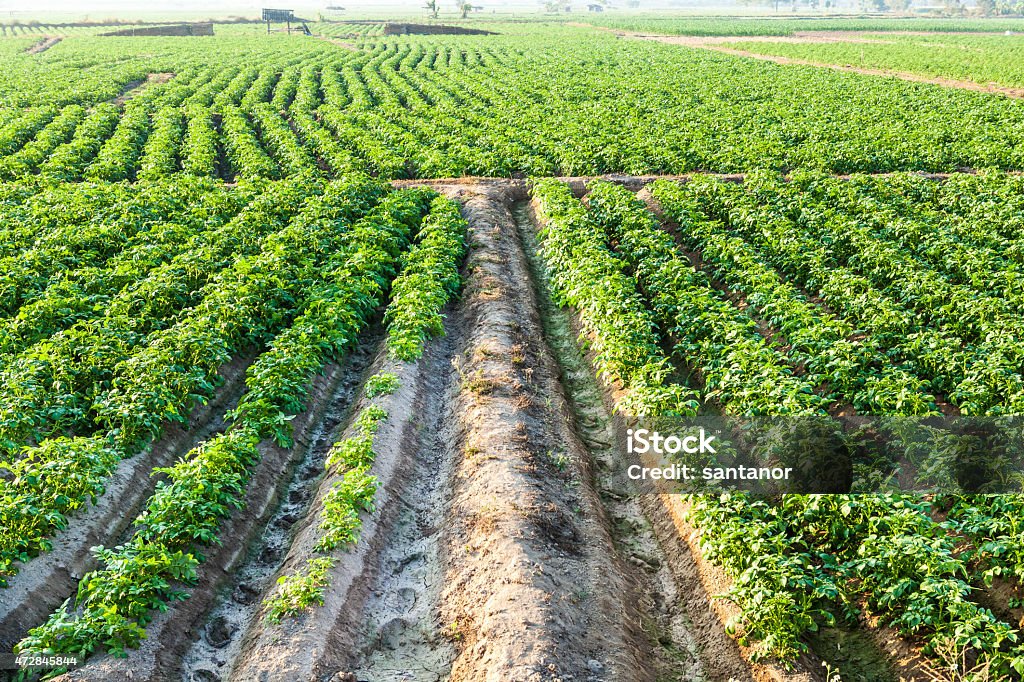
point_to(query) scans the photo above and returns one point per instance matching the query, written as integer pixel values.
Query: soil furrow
(399, 632)
(172, 632)
(390, 577)
(679, 650)
(532, 591)
(236, 614)
(43, 45)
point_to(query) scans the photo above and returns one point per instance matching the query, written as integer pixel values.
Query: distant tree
(433, 6)
(464, 7)
(1009, 6)
(986, 7)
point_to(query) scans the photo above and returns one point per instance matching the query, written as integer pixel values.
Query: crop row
(430, 267)
(115, 602)
(136, 392)
(804, 561)
(411, 106)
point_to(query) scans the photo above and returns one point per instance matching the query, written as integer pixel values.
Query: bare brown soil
(904, 656)
(533, 592)
(45, 44)
(411, 466)
(802, 37)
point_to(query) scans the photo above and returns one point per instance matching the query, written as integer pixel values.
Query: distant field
(769, 26)
(977, 58)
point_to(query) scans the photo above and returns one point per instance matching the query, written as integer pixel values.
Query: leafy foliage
(429, 278)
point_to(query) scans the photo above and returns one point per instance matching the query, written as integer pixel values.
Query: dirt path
(532, 590)
(400, 632)
(719, 44)
(43, 45)
(802, 37)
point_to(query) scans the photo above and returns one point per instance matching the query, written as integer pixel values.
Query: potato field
(319, 354)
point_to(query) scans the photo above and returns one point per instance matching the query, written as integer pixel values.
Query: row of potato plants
(994, 524)
(884, 552)
(970, 254)
(17, 132)
(618, 329)
(58, 131)
(861, 243)
(32, 207)
(599, 275)
(115, 602)
(780, 587)
(428, 280)
(108, 138)
(49, 387)
(242, 306)
(816, 556)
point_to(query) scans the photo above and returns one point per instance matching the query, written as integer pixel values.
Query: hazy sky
(217, 7)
